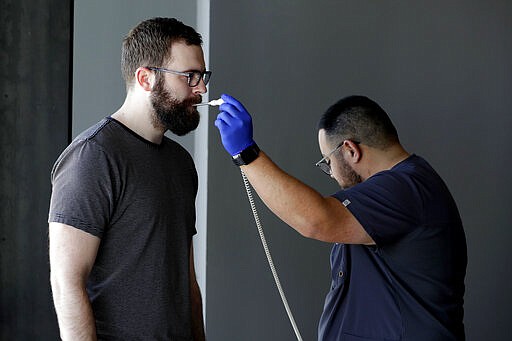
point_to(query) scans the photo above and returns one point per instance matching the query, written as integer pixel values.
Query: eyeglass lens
(196, 76)
(325, 167)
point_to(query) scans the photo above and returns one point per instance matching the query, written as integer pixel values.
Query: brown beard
(171, 114)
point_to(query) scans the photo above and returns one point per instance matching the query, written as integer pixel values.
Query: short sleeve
(386, 205)
(82, 189)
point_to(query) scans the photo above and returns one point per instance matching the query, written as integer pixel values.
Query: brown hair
(149, 44)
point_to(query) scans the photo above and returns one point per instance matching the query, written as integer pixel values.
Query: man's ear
(145, 78)
(354, 150)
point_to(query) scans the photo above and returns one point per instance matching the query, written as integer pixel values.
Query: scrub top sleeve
(385, 205)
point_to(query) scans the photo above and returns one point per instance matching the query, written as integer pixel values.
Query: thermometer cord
(269, 257)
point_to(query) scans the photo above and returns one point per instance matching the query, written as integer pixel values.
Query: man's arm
(72, 255)
(196, 302)
(302, 207)
(298, 205)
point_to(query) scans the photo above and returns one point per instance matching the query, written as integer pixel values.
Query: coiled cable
(269, 257)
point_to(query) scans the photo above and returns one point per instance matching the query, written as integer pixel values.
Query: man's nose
(200, 88)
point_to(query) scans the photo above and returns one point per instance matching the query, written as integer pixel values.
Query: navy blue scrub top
(410, 285)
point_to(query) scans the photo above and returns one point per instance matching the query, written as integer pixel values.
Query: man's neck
(378, 160)
(138, 118)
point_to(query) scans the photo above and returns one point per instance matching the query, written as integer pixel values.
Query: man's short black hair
(359, 119)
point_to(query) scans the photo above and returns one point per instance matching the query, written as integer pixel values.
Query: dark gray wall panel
(441, 69)
(34, 75)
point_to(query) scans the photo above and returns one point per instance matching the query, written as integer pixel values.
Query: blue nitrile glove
(235, 126)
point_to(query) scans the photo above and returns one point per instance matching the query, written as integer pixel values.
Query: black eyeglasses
(325, 163)
(193, 77)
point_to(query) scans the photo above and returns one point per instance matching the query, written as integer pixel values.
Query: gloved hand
(235, 125)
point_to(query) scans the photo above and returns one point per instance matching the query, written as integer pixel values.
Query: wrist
(246, 156)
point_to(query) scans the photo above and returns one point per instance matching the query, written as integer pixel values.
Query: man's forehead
(187, 56)
(322, 136)
(322, 139)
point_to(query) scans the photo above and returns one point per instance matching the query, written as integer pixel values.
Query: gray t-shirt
(139, 198)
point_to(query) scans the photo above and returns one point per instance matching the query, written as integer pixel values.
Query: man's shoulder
(406, 173)
(96, 132)
(84, 146)
(103, 137)
(414, 164)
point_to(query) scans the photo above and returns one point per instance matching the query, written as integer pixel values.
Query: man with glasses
(122, 211)
(399, 255)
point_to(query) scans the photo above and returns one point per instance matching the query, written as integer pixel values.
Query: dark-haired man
(399, 258)
(122, 211)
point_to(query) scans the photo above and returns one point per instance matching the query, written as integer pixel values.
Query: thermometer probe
(215, 102)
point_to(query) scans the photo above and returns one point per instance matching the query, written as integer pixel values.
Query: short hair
(149, 44)
(359, 119)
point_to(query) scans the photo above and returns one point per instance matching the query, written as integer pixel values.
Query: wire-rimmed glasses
(325, 163)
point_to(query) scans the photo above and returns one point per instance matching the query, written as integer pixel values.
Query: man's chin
(343, 186)
(182, 130)
(347, 184)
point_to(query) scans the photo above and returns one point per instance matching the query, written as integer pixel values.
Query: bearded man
(122, 210)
